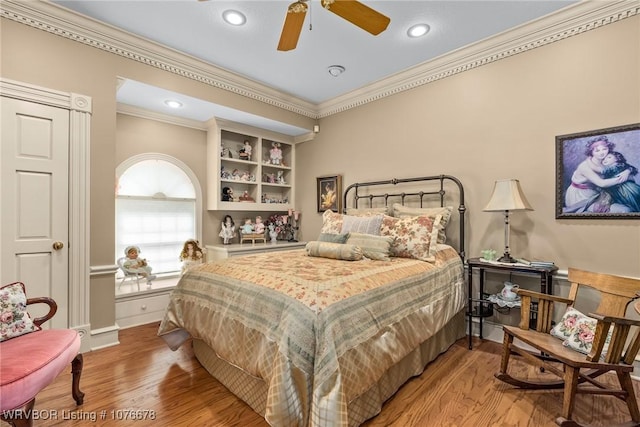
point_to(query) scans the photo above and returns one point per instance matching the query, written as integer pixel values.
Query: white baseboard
(104, 337)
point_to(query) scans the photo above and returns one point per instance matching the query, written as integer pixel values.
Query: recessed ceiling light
(233, 17)
(418, 30)
(335, 70)
(173, 103)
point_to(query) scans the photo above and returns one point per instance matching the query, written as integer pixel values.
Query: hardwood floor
(143, 374)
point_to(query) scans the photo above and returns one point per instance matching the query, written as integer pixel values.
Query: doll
(247, 228)
(275, 154)
(191, 254)
(134, 264)
(227, 194)
(245, 151)
(228, 231)
(259, 227)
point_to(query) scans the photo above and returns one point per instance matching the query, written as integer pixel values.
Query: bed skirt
(253, 390)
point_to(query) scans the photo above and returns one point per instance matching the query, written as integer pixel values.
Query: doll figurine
(135, 264)
(247, 228)
(191, 254)
(259, 227)
(227, 194)
(275, 154)
(228, 231)
(245, 151)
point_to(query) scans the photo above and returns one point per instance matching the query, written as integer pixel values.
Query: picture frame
(597, 174)
(329, 193)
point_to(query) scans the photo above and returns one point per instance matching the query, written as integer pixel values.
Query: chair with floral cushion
(32, 357)
(580, 347)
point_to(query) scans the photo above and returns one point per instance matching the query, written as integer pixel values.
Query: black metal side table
(480, 307)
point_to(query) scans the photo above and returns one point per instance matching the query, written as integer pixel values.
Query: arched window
(158, 205)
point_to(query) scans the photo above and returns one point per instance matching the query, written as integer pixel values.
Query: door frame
(79, 107)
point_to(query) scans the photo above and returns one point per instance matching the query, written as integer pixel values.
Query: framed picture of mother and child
(597, 174)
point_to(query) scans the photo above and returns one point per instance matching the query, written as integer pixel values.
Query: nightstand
(480, 307)
(236, 249)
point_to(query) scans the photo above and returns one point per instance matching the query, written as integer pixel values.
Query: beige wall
(40, 58)
(498, 121)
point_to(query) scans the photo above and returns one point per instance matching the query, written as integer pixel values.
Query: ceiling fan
(353, 11)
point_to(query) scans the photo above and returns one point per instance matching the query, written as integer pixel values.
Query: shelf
(267, 178)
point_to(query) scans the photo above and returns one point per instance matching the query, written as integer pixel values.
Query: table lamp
(507, 196)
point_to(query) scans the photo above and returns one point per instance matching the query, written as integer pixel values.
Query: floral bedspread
(318, 331)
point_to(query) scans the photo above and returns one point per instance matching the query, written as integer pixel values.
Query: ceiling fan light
(233, 17)
(418, 30)
(336, 70)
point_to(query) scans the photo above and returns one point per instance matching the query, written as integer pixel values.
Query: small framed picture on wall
(330, 193)
(597, 174)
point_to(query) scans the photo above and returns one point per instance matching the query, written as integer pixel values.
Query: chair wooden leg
(571, 376)
(506, 352)
(632, 403)
(76, 371)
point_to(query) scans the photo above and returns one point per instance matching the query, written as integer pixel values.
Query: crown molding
(57, 20)
(572, 20)
(568, 22)
(159, 117)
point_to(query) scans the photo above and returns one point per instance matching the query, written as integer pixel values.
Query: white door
(34, 208)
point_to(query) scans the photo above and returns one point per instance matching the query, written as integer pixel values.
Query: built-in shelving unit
(260, 181)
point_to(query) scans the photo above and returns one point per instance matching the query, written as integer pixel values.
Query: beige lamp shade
(507, 196)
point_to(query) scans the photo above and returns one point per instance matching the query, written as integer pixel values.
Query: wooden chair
(578, 371)
(30, 362)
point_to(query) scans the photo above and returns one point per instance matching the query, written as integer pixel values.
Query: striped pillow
(361, 224)
(331, 250)
(373, 247)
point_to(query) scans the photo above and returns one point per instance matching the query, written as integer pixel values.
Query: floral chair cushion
(14, 318)
(413, 237)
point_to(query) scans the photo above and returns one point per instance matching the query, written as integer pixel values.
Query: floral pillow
(331, 222)
(14, 319)
(414, 237)
(400, 211)
(578, 330)
(564, 328)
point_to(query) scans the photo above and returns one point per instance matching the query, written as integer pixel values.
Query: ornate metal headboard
(435, 190)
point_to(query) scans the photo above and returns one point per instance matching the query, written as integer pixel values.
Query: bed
(306, 339)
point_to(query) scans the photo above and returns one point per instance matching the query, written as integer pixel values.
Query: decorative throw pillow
(564, 328)
(339, 251)
(414, 237)
(400, 211)
(373, 247)
(368, 211)
(577, 331)
(334, 238)
(361, 224)
(331, 222)
(14, 319)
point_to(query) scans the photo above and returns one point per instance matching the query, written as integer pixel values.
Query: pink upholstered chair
(30, 362)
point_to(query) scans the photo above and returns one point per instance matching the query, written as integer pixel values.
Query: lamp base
(507, 258)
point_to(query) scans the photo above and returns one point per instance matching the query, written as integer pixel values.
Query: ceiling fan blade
(358, 14)
(292, 26)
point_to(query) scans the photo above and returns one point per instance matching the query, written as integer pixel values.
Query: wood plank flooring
(143, 374)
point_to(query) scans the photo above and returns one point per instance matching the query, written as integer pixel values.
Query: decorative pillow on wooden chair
(577, 331)
(14, 318)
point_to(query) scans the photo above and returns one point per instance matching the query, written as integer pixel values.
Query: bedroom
(487, 123)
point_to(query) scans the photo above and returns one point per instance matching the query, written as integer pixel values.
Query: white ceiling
(196, 28)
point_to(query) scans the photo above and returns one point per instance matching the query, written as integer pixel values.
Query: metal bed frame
(438, 191)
